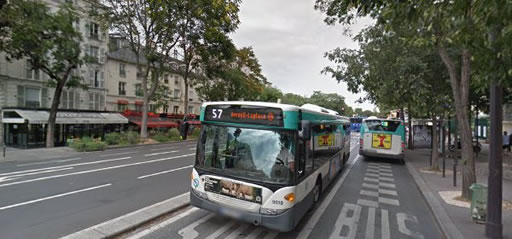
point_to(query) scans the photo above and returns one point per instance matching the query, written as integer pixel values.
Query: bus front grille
(233, 202)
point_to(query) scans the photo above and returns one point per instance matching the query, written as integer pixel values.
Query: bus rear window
(382, 125)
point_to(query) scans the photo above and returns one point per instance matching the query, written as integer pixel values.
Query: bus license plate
(381, 141)
(230, 213)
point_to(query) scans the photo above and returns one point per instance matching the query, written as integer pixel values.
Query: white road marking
(369, 193)
(344, 220)
(40, 172)
(389, 201)
(368, 203)
(370, 223)
(401, 218)
(190, 232)
(389, 185)
(192, 149)
(162, 172)
(372, 175)
(386, 179)
(117, 154)
(94, 170)
(54, 196)
(372, 170)
(373, 167)
(372, 186)
(254, 234)
(389, 192)
(221, 230)
(48, 162)
(385, 234)
(386, 174)
(5, 179)
(374, 180)
(386, 170)
(160, 153)
(234, 234)
(308, 228)
(63, 166)
(163, 224)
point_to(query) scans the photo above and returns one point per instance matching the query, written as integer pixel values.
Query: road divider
(164, 172)
(131, 221)
(160, 153)
(54, 196)
(93, 170)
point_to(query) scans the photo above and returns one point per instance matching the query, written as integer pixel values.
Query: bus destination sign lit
(244, 115)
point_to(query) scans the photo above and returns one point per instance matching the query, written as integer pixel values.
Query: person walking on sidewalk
(506, 141)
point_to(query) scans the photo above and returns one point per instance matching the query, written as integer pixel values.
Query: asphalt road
(373, 198)
(57, 197)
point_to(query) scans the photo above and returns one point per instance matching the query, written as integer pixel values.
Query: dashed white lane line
(372, 186)
(49, 162)
(389, 192)
(389, 185)
(54, 196)
(163, 224)
(117, 154)
(370, 224)
(389, 201)
(64, 166)
(308, 228)
(385, 234)
(386, 179)
(163, 172)
(160, 153)
(95, 170)
(369, 193)
(40, 172)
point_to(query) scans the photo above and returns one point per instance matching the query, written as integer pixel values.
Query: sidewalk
(14, 154)
(418, 161)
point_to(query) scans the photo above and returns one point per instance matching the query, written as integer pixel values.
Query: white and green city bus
(266, 163)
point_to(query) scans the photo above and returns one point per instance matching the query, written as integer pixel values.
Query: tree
(203, 25)
(271, 94)
(150, 29)
(294, 99)
(331, 101)
(452, 28)
(50, 43)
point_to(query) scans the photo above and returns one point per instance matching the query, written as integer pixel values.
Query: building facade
(24, 90)
(124, 82)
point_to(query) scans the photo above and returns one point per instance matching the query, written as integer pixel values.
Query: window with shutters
(122, 70)
(31, 74)
(92, 54)
(138, 90)
(32, 97)
(94, 30)
(122, 86)
(176, 93)
(190, 109)
(175, 109)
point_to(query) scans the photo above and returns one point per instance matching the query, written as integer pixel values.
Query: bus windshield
(255, 154)
(382, 125)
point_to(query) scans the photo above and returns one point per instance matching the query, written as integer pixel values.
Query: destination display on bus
(244, 115)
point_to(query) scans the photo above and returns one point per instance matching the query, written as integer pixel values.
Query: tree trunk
(185, 102)
(50, 130)
(144, 126)
(410, 144)
(460, 89)
(435, 144)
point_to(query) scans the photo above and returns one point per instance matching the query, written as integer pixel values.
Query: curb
(131, 221)
(140, 145)
(444, 222)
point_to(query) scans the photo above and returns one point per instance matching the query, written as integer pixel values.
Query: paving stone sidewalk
(419, 159)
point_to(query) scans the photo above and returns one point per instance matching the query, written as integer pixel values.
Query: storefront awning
(41, 117)
(158, 124)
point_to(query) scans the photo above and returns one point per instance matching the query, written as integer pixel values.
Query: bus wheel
(317, 190)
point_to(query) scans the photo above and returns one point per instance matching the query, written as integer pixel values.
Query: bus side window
(305, 163)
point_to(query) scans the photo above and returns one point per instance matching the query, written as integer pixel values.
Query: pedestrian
(184, 130)
(506, 141)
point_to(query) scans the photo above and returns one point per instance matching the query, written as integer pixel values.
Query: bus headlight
(200, 194)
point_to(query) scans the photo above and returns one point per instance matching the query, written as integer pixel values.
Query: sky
(290, 39)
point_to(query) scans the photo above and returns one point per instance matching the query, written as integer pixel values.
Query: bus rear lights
(290, 197)
(403, 146)
(360, 143)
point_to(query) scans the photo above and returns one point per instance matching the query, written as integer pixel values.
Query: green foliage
(331, 101)
(160, 137)
(270, 94)
(174, 134)
(294, 99)
(113, 138)
(195, 133)
(129, 138)
(87, 144)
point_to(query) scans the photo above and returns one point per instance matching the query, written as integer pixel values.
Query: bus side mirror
(305, 131)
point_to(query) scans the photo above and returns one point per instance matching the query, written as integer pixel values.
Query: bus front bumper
(283, 222)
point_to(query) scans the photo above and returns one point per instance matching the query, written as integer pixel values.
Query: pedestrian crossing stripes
(378, 186)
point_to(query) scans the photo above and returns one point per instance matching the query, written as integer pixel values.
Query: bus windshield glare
(382, 125)
(255, 154)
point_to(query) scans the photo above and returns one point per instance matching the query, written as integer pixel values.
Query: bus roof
(375, 118)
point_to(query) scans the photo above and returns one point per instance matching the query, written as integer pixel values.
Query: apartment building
(124, 82)
(25, 96)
